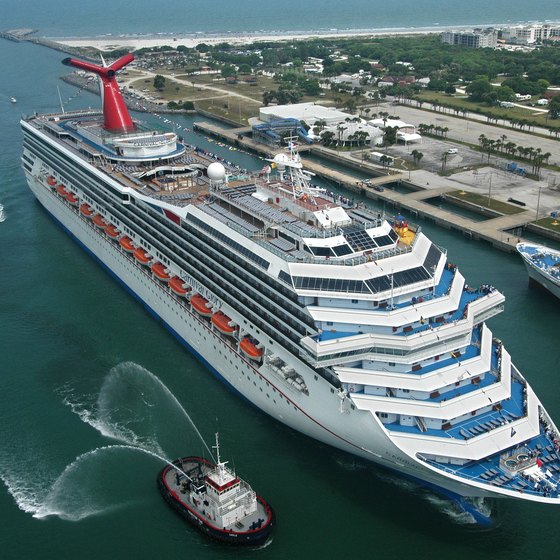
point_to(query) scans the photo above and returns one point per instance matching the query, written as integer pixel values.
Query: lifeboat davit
(159, 272)
(141, 255)
(200, 305)
(126, 243)
(72, 199)
(178, 286)
(222, 322)
(86, 209)
(249, 348)
(99, 221)
(62, 191)
(51, 181)
(112, 231)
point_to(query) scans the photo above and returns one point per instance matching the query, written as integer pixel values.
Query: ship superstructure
(351, 328)
(215, 500)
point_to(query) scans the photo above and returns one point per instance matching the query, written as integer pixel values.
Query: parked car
(452, 151)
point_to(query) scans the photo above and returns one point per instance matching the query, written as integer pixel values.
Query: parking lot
(436, 155)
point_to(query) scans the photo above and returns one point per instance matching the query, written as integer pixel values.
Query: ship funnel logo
(116, 117)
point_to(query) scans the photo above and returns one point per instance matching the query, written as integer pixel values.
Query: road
(147, 74)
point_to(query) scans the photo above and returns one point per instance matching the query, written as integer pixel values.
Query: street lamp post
(538, 204)
(489, 190)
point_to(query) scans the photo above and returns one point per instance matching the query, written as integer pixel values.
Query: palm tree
(340, 129)
(327, 137)
(416, 156)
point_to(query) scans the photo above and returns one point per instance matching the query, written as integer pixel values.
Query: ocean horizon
(172, 17)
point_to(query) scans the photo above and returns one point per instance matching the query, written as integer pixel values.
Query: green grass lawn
(482, 200)
(550, 223)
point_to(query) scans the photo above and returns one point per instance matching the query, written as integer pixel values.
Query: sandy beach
(133, 42)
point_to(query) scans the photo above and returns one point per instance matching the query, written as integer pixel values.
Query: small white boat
(13, 99)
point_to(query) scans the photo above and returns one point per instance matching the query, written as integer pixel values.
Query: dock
(495, 231)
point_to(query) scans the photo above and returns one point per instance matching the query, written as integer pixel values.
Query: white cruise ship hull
(320, 415)
(536, 275)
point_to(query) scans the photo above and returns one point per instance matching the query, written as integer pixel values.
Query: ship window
(341, 250)
(354, 301)
(321, 251)
(383, 415)
(384, 240)
(329, 284)
(263, 263)
(285, 277)
(360, 240)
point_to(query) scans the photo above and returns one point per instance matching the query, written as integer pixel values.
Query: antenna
(116, 117)
(217, 448)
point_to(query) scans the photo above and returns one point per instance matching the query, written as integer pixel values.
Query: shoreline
(190, 40)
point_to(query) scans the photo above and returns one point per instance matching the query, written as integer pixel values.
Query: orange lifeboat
(112, 231)
(249, 348)
(178, 286)
(86, 209)
(51, 181)
(200, 305)
(126, 243)
(62, 191)
(222, 322)
(99, 221)
(141, 255)
(159, 272)
(72, 199)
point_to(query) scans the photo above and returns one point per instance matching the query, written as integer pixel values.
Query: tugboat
(215, 500)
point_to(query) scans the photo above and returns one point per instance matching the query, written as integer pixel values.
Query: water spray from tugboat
(50, 499)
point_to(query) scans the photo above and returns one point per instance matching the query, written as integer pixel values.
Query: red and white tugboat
(215, 500)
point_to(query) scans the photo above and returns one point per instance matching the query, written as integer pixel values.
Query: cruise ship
(351, 328)
(543, 265)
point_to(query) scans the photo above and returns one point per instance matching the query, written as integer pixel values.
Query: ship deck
(532, 480)
(546, 260)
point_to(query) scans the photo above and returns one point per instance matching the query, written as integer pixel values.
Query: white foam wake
(133, 406)
(92, 484)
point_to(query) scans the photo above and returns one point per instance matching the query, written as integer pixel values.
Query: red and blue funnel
(116, 117)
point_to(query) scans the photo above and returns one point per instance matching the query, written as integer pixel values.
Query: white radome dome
(216, 171)
(280, 160)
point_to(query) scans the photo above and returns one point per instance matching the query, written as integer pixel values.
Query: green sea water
(87, 376)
